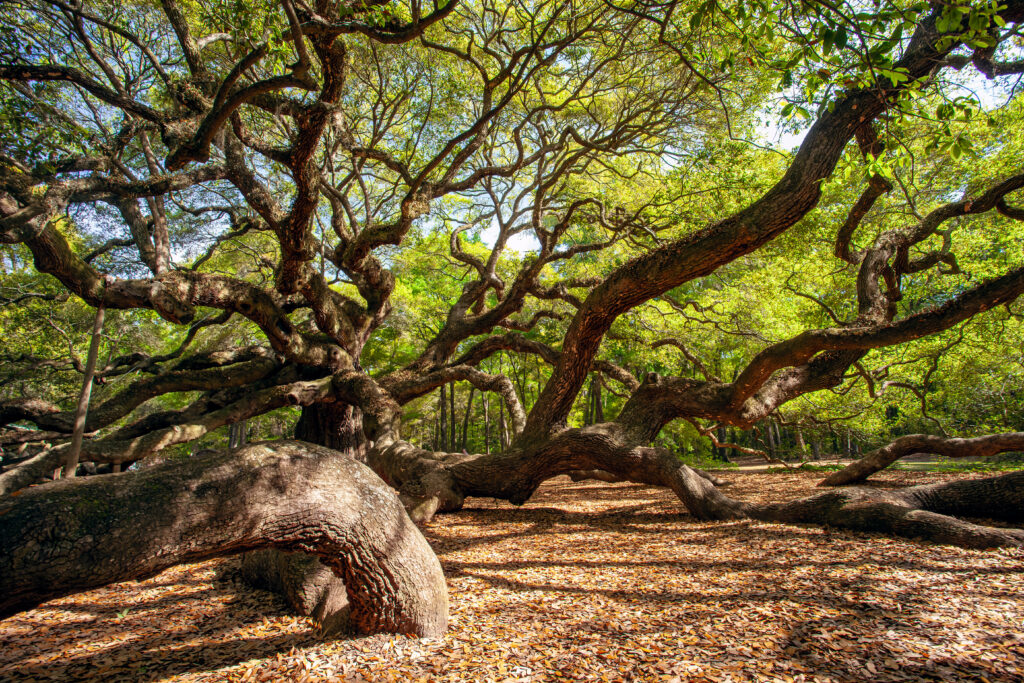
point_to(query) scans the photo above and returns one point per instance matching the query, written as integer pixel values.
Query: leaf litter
(588, 582)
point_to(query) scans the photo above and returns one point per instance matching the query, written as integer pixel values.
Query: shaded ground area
(588, 581)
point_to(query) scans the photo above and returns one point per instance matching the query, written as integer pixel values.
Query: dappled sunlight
(590, 581)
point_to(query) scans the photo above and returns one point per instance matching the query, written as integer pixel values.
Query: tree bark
(71, 459)
(452, 420)
(465, 419)
(336, 425)
(881, 458)
(432, 482)
(73, 535)
(309, 587)
(485, 397)
(916, 512)
(442, 442)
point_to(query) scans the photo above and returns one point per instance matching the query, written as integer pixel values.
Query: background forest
(966, 381)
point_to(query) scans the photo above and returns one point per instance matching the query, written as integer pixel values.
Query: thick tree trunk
(916, 512)
(73, 535)
(306, 584)
(338, 426)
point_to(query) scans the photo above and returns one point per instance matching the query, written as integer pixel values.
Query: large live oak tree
(327, 132)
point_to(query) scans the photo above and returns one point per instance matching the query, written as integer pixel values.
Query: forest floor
(588, 581)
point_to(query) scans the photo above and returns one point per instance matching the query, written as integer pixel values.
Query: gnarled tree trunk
(916, 512)
(334, 424)
(307, 585)
(74, 535)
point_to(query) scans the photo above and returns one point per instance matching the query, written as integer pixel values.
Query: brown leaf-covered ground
(588, 581)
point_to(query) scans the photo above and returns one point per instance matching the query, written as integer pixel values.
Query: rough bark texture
(74, 535)
(881, 458)
(916, 512)
(309, 586)
(336, 425)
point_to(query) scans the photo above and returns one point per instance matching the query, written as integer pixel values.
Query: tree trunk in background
(76, 534)
(452, 421)
(442, 441)
(487, 421)
(465, 419)
(722, 450)
(238, 434)
(71, 459)
(502, 428)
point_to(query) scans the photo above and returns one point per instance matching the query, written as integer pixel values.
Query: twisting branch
(879, 459)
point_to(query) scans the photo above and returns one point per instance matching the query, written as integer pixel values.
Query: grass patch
(706, 463)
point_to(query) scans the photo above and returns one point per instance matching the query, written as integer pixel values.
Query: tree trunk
(465, 419)
(487, 421)
(502, 427)
(238, 434)
(71, 458)
(442, 443)
(452, 422)
(310, 588)
(73, 535)
(336, 425)
(916, 512)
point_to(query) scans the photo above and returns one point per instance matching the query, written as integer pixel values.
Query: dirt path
(588, 581)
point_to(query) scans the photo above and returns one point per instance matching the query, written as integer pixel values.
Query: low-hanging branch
(261, 496)
(910, 444)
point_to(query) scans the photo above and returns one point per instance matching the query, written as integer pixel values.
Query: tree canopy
(579, 212)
